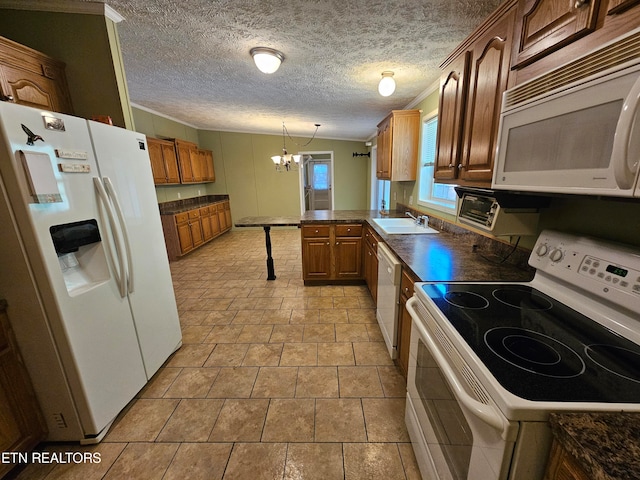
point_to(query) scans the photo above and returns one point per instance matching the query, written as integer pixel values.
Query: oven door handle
(486, 413)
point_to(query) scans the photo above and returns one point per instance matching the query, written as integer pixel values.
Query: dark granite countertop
(454, 254)
(185, 204)
(606, 445)
(268, 222)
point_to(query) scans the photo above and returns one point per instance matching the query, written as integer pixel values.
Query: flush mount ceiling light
(285, 159)
(267, 60)
(387, 84)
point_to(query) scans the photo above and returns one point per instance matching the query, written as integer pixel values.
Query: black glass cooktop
(538, 348)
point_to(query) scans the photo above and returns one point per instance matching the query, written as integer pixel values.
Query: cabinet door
(316, 258)
(184, 237)
(170, 162)
(184, 161)
(227, 214)
(383, 159)
(453, 99)
(222, 218)
(348, 257)
(488, 80)
(157, 161)
(21, 422)
(197, 164)
(31, 89)
(206, 159)
(404, 151)
(404, 321)
(617, 6)
(214, 221)
(205, 221)
(548, 25)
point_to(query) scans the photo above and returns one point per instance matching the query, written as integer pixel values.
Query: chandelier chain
(284, 129)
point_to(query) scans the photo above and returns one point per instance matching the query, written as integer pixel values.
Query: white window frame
(427, 196)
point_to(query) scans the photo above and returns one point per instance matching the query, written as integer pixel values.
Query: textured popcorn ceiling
(189, 59)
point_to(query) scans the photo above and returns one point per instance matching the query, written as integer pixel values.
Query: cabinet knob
(6, 98)
(348, 229)
(460, 166)
(317, 231)
(580, 3)
(328, 243)
(373, 244)
(406, 289)
(337, 243)
(451, 165)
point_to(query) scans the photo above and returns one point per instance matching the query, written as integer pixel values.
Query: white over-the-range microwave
(575, 129)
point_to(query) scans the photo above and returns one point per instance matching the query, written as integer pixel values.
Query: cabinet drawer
(181, 217)
(348, 230)
(205, 211)
(314, 231)
(371, 238)
(193, 214)
(406, 284)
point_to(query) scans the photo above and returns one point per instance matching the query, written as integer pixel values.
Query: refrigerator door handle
(120, 276)
(123, 226)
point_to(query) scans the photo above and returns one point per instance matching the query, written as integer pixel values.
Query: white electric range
(490, 361)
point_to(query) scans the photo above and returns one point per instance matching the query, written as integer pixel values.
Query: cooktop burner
(538, 348)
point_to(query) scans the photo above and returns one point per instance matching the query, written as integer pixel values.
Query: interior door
(319, 185)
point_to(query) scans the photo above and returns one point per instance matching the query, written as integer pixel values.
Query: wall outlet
(395, 196)
(179, 196)
(198, 192)
(410, 199)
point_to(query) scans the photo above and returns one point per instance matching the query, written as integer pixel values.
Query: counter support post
(271, 274)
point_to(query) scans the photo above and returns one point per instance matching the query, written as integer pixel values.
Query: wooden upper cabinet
(31, 78)
(548, 25)
(453, 99)
(488, 80)
(196, 165)
(398, 145)
(619, 6)
(184, 150)
(164, 163)
(383, 159)
(471, 86)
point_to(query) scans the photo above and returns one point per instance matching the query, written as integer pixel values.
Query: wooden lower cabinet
(22, 425)
(562, 466)
(370, 261)
(404, 320)
(186, 231)
(331, 252)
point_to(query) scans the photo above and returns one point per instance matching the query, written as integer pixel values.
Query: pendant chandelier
(285, 160)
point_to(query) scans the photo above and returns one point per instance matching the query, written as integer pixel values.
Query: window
(439, 196)
(384, 190)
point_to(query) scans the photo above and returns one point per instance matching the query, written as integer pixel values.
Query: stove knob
(556, 255)
(542, 250)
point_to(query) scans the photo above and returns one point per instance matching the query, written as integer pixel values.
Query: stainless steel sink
(400, 226)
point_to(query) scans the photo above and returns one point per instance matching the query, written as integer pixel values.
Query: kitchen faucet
(419, 220)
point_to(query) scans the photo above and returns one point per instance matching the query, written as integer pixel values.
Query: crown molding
(64, 6)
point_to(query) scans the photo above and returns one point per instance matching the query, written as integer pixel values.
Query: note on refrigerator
(42, 180)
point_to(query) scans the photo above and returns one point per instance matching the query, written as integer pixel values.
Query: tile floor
(274, 380)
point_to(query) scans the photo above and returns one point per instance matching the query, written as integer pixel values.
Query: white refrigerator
(83, 266)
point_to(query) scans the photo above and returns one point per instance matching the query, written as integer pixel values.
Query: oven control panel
(606, 269)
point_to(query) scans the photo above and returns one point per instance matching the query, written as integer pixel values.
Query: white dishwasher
(389, 271)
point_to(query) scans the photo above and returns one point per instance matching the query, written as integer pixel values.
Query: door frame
(329, 153)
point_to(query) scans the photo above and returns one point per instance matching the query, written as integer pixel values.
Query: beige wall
(89, 46)
(246, 173)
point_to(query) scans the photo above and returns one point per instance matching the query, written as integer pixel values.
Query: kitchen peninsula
(453, 254)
